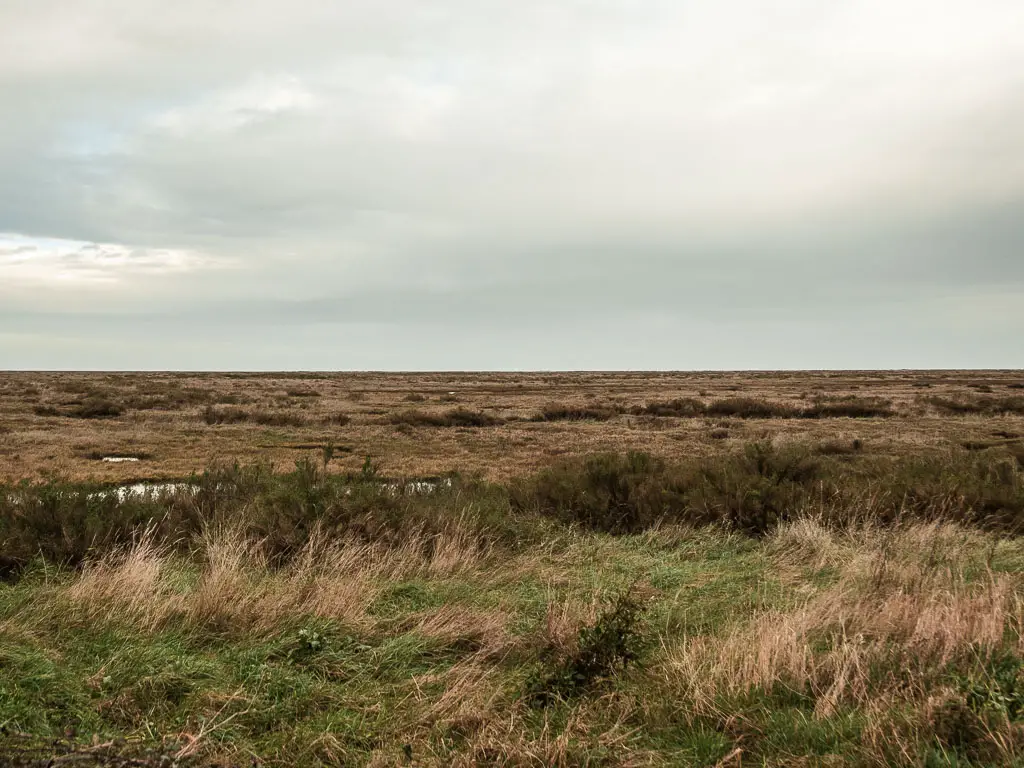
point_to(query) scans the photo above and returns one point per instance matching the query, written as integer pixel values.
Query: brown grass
(900, 608)
(161, 418)
(237, 594)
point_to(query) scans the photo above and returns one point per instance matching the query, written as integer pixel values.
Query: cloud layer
(479, 184)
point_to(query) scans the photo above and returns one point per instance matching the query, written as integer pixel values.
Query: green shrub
(610, 644)
(614, 493)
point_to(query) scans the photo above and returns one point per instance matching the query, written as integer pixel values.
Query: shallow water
(156, 489)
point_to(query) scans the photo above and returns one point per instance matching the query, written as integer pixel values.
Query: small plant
(609, 645)
(308, 643)
(369, 470)
(1000, 689)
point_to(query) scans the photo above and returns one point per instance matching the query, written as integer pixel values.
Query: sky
(485, 185)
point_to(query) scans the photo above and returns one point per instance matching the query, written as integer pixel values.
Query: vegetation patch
(758, 408)
(213, 415)
(562, 412)
(984, 406)
(456, 417)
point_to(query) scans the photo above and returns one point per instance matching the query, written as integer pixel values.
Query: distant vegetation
(456, 417)
(227, 415)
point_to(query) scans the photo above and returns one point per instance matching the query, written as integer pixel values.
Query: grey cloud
(537, 171)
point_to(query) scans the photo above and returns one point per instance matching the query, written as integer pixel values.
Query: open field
(161, 418)
(602, 569)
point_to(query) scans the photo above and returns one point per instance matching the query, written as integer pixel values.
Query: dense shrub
(752, 408)
(457, 417)
(851, 407)
(302, 392)
(562, 412)
(230, 415)
(96, 408)
(615, 493)
(985, 406)
(685, 407)
(750, 490)
(756, 408)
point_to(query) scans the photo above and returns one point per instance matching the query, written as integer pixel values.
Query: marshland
(761, 568)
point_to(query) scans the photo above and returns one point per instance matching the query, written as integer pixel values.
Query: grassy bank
(801, 605)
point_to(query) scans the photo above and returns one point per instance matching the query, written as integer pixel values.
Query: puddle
(144, 490)
(119, 459)
(156, 490)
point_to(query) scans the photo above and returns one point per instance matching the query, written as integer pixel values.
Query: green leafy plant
(610, 644)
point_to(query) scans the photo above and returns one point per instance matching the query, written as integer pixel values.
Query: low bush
(96, 408)
(457, 417)
(756, 408)
(985, 406)
(684, 407)
(562, 412)
(752, 408)
(850, 408)
(610, 644)
(230, 415)
(302, 392)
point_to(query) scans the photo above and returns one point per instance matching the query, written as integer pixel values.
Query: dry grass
(236, 593)
(900, 607)
(162, 417)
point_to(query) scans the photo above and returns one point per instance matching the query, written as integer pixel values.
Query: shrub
(987, 406)
(561, 412)
(613, 493)
(610, 644)
(302, 392)
(45, 410)
(751, 491)
(684, 407)
(851, 408)
(213, 415)
(752, 408)
(457, 417)
(338, 419)
(96, 408)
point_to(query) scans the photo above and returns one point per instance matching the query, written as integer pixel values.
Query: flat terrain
(161, 418)
(606, 569)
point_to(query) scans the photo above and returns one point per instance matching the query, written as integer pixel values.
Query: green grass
(477, 624)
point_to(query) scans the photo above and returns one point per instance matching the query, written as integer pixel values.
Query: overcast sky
(485, 184)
